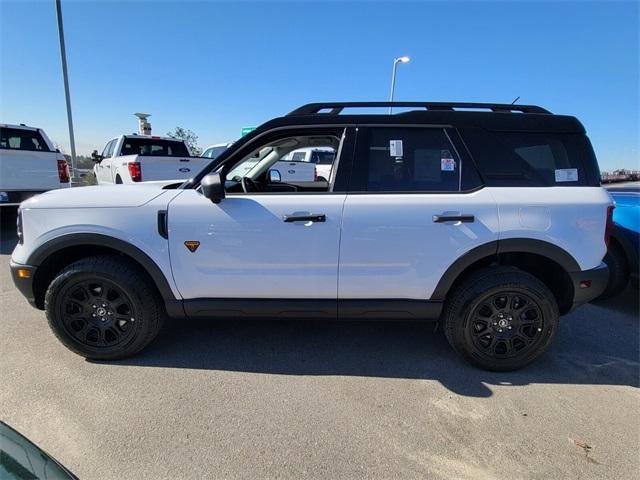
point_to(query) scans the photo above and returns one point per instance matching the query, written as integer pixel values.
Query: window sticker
(395, 148)
(566, 174)
(447, 163)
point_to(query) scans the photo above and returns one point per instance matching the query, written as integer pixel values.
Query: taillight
(63, 171)
(608, 229)
(135, 170)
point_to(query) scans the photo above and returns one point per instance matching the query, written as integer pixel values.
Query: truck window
(19, 139)
(322, 157)
(154, 147)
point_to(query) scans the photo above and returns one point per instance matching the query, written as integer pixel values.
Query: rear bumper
(589, 284)
(24, 283)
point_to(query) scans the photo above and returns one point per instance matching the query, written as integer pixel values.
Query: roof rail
(335, 108)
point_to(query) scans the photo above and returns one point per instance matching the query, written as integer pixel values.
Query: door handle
(305, 218)
(453, 218)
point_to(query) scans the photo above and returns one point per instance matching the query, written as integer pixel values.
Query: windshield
(154, 147)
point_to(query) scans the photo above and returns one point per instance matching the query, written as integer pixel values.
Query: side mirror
(95, 157)
(274, 176)
(213, 187)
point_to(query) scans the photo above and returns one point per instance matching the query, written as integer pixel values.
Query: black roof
(490, 116)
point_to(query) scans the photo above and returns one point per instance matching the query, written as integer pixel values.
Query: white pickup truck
(137, 158)
(29, 164)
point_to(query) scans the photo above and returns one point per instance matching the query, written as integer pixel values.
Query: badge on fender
(192, 245)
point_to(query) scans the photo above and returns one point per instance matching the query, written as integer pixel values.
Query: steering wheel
(249, 185)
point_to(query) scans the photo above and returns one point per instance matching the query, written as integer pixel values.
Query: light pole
(65, 76)
(396, 61)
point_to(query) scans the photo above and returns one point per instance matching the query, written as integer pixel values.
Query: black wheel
(103, 308)
(118, 180)
(618, 272)
(501, 318)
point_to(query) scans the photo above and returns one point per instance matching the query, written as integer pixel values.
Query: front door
(281, 243)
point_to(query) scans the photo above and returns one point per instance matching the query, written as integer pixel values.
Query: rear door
(26, 161)
(413, 208)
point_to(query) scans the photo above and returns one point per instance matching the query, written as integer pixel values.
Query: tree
(190, 138)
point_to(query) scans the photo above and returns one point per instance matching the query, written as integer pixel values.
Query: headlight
(19, 227)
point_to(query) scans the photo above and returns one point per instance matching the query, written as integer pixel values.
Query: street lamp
(396, 61)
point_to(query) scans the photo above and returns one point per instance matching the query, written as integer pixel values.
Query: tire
(118, 180)
(497, 334)
(104, 308)
(618, 272)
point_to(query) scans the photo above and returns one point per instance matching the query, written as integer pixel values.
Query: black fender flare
(497, 247)
(44, 251)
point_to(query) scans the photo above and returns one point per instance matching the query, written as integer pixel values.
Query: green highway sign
(246, 130)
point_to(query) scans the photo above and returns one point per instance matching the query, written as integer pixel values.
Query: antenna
(144, 127)
(515, 100)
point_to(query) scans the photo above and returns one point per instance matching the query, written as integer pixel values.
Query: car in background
(214, 151)
(29, 164)
(322, 158)
(141, 158)
(622, 253)
(21, 459)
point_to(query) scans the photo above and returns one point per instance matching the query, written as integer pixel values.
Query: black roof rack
(335, 108)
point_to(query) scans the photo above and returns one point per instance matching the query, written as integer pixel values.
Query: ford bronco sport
(488, 218)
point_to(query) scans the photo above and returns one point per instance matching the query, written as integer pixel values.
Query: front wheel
(501, 318)
(103, 308)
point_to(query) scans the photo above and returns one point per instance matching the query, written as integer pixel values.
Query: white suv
(487, 218)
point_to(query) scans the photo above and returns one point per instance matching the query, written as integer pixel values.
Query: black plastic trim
(265, 308)
(40, 254)
(163, 226)
(497, 247)
(599, 277)
(330, 309)
(389, 309)
(539, 247)
(24, 285)
(453, 272)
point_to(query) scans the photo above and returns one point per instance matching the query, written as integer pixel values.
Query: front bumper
(23, 276)
(589, 284)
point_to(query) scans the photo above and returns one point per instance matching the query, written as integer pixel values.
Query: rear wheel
(501, 318)
(118, 180)
(103, 308)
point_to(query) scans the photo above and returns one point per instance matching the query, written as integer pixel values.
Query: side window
(19, 139)
(532, 159)
(207, 152)
(395, 159)
(282, 163)
(108, 149)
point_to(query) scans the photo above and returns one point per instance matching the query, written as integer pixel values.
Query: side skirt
(348, 309)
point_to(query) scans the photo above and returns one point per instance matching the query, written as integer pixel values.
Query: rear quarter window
(19, 139)
(532, 158)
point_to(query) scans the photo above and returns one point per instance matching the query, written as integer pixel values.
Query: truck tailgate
(168, 168)
(28, 170)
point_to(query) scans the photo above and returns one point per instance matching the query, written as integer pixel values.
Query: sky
(215, 67)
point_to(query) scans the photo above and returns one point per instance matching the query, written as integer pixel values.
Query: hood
(111, 196)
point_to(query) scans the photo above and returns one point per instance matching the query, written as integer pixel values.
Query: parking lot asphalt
(231, 399)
